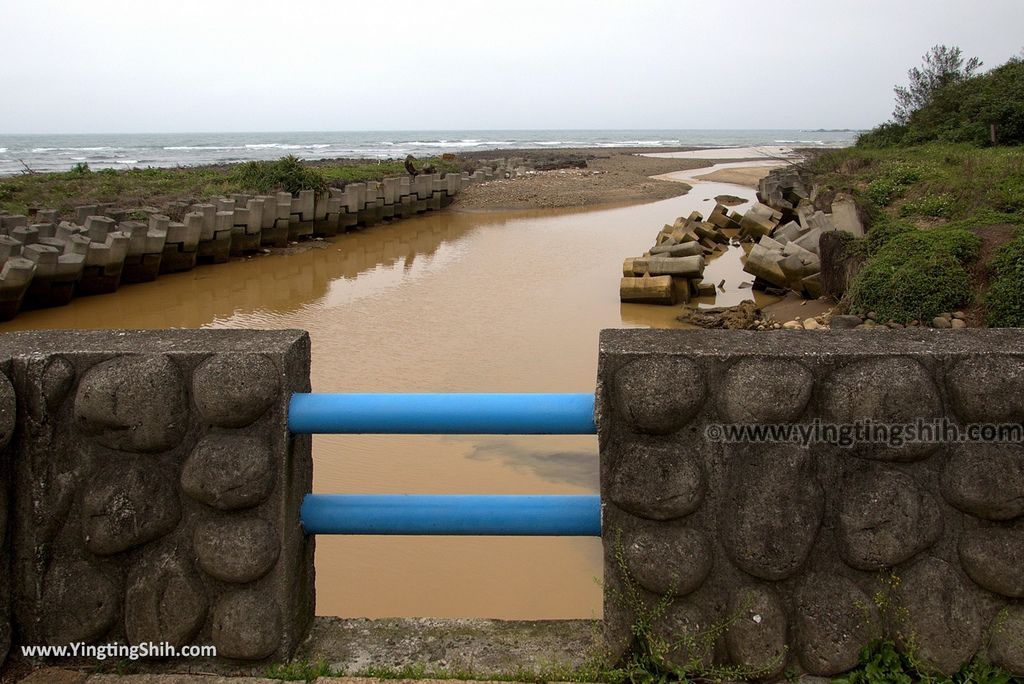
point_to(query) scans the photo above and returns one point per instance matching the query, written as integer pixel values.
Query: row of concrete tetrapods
(47, 261)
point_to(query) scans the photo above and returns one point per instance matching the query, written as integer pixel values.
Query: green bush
(962, 111)
(916, 274)
(889, 134)
(1005, 297)
(884, 230)
(288, 174)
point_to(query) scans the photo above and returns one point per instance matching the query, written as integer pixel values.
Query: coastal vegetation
(153, 186)
(946, 100)
(944, 204)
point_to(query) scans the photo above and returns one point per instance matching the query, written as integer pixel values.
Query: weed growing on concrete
(896, 660)
(688, 657)
(299, 671)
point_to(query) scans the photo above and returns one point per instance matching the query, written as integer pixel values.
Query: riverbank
(945, 232)
(609, 177)
(133, 188)
(563, 178)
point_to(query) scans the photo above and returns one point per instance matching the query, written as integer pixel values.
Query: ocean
(138, 150)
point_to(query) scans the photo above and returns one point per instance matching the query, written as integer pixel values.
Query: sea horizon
(60, 152)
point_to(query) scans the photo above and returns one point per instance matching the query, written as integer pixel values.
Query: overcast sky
(217, 65)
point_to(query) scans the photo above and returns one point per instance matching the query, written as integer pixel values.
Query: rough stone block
(780, 547)
(155, 489)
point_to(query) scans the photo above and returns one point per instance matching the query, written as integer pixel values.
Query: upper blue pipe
(432, 414)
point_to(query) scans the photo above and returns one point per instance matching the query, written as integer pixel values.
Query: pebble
(941, 322)
(872, 315)
(959, 314)
(811, 324)
(958, 323)
(792, 325)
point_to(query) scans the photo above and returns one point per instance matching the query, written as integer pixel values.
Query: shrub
(1005, 297)
(916, 274)
(886, 135)
(962, 111)
(288, 174)
(80, 169)
(883, 231)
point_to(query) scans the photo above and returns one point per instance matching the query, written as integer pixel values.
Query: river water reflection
(448, 302)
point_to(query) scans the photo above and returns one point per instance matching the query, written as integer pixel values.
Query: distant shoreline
(61, 153)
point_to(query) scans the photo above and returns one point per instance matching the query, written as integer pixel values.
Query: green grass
(951, 181)
(916, 276)
(152, 186)
(299, 671)
(1005, 297)
(926, 202)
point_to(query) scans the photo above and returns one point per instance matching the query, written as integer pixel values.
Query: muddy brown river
(449, 302)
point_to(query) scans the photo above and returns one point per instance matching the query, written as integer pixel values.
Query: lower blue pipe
(452, 514)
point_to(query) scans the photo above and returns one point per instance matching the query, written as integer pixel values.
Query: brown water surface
(446, 302)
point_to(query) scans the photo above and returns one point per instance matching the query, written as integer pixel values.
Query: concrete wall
(47, 259)
(150, 492)
(784, 547)
(151, 489)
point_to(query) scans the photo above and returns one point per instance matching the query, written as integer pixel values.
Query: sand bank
(728, 153)
(610, 177)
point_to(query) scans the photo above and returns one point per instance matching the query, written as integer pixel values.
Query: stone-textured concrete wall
(155, 489)
(790, 545)
(8, 408)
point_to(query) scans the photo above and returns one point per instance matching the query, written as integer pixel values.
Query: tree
(941, 66)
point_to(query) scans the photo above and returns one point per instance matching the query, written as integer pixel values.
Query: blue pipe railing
(452, 514)
(433, 414)
(464, 414)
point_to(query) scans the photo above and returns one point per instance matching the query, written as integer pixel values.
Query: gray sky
(73, 66)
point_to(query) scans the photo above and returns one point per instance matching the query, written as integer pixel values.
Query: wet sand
(748, 176)
(611, 177)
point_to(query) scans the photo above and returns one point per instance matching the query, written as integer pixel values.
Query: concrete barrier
(150, 490)
(103, 246)
(779, 550)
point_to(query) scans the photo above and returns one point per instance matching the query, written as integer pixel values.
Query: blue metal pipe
(458, 514)
(433, 414)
